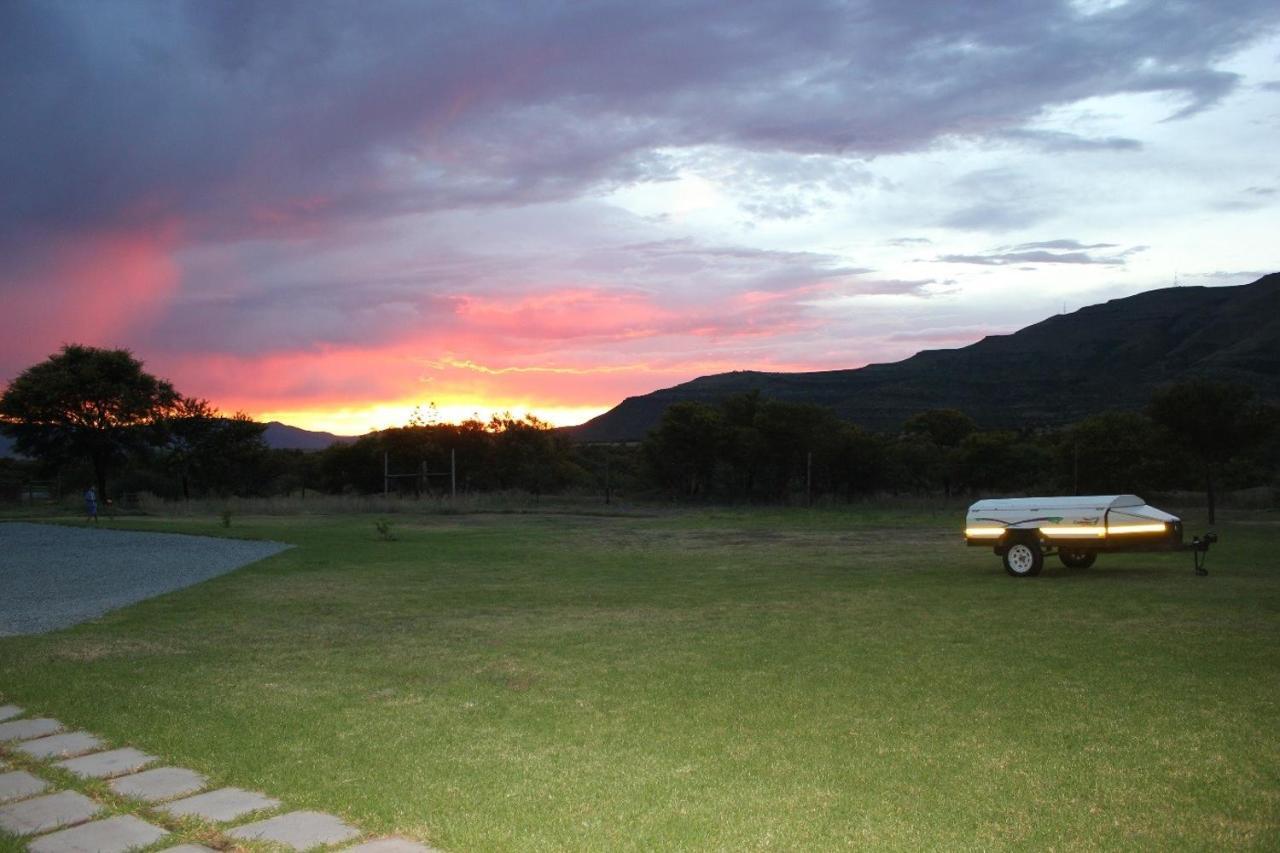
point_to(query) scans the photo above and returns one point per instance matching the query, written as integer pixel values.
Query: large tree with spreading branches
(86, 403)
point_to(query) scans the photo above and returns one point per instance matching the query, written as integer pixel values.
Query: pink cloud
(566, 314)
(98, 289)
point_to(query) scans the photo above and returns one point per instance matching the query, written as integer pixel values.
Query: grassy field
(710, 680)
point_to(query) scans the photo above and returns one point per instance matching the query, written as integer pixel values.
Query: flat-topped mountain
(1055, 372)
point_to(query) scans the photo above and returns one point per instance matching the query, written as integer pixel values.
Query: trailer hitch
(1200, 551)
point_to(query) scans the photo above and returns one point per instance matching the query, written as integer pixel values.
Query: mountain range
(1107, 356)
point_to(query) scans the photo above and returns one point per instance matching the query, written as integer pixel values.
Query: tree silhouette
(945, 429)
(88, 403)
(1214, 421)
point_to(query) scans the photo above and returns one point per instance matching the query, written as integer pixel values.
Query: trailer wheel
(1024, 559)
(1073, 559)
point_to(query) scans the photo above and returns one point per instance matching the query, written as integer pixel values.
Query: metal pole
(1075, 467)
(453, 473)
(386, 475)
(808, 479)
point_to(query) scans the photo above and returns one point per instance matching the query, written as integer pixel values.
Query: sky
(332, 213)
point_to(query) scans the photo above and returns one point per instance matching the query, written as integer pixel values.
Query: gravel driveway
(52, 577)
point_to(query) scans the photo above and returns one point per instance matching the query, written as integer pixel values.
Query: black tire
(1024, 559)
(1073, 559)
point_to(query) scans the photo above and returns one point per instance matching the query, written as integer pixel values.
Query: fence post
(808, 479)
(386, 476)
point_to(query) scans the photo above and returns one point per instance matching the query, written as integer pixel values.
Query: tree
(945, 429)
(682, 450)
(1214, 421)
(1001, 460)
(529, 454)
(88, 403)
(1114, 453)
(222, 455)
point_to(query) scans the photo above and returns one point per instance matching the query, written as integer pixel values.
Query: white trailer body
(1023, 530)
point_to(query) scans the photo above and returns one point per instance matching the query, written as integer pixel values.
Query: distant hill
(277, 435)
(1055, 372)
(280, 436)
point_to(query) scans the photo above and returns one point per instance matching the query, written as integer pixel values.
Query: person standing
(91, 504)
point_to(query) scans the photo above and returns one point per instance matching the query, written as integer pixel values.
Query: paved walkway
(49, 820)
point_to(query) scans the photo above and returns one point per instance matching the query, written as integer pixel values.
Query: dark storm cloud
(256, 118)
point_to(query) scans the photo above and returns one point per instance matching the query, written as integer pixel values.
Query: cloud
(1025, 258)
(98, 289)
(999, 199)
(1230, 276)
(1039, 253)
(1006, 215)
(1251, 198)
(1063, 244)
(1056, 141)
(308, 110)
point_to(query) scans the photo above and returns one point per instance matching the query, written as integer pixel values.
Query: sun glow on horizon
(361, 420)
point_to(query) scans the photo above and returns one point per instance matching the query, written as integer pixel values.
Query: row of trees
(1193, 435)
(87, 412)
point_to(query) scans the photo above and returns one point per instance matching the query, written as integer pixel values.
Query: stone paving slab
(104, 765)
(66, 745)
(162, 783)
(28, 729)
(299, 830)
(113, 835)
(19, 785)
(42, 814)
(222, 805)
(8, 712)
(187, 848)
(390, 845)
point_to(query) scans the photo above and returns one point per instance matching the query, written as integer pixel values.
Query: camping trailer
(1022, 531)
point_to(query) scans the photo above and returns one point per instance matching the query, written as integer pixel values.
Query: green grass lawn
(724, 680)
